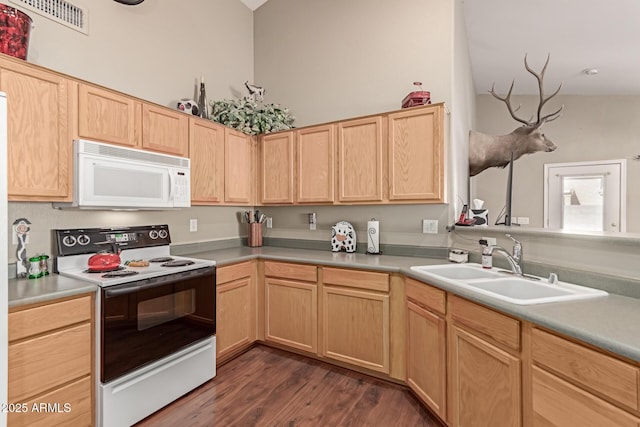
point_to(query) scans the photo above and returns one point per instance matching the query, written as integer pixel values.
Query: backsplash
(214, 223)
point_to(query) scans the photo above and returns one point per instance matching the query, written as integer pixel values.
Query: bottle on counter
(487, 258)
(44, 264)
(34, 267)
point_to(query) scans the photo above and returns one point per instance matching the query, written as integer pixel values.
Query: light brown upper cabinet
(416, 152)
(165, 130)
(315, 164)
(206, 151)
(106, 116)
(239, 167)
(360, 164)
(39, 140)
(276, 168)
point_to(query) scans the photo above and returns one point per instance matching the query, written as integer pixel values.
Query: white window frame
(622, 163)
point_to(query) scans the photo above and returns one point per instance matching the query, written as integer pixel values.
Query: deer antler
(507, 100)
(543, 100)
(540, 77)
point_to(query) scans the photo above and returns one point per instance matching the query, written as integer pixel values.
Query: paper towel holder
(372, 247)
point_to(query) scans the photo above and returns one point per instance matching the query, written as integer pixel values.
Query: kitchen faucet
(515, 260)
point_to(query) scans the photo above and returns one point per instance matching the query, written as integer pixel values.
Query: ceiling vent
(60, 11)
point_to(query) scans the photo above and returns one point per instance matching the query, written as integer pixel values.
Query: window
(585, 196)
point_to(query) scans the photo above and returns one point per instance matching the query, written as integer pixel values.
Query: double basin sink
(501, 285)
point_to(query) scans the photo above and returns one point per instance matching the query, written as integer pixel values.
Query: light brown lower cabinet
(426, 344)
(355, 318)
(559, 403)
(50, 363)
(486, 383)
(235, 309)
(291, 305)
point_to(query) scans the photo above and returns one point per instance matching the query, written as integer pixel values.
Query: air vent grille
(60, 11)
(90, 147)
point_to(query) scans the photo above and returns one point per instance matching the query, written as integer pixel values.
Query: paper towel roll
(373, 236)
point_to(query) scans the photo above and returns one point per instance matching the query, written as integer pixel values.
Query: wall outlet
(491, 241)
(193, 225)
(522, 220)
(430, 226)
(269, 222)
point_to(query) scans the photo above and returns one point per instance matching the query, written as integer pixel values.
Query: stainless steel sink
(515, 290)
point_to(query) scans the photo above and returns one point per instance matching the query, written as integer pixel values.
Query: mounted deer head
(487, 151)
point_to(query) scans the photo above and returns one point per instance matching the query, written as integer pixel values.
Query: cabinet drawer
(48, 361)
(503, 329)
(33, 321)
(426, 296)
(77, 413)
(559, 403)
(356, 279)
(304, 272)
(234, 272)
(608, 376)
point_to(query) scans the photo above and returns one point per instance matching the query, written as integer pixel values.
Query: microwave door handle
(172, 185)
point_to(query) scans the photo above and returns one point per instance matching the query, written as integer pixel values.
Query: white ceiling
(577, 34)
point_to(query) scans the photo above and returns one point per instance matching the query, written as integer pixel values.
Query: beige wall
(590, 128)
(332, 59)
(462, 115)
(156, 50)
(214, 223)
(399, 225)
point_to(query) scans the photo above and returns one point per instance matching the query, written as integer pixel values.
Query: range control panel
(79, 241)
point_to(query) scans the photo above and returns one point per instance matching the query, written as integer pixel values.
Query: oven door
(146, 320)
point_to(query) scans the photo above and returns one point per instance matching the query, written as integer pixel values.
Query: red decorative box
(420, 97)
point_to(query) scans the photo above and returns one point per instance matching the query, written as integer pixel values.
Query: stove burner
(177, 263)
(118, 268)
(120, 274)
(161, 259)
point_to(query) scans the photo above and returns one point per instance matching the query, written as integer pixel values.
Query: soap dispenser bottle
(487, 259)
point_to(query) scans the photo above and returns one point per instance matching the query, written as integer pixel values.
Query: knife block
(254, 234)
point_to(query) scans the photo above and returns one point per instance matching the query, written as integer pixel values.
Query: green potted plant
(251, 117)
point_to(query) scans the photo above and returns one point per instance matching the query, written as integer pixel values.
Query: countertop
(607, 322)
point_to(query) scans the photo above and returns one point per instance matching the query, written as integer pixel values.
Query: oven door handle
(124, 289)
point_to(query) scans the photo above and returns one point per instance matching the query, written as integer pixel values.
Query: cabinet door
(426, 357)
(360, 148)
(559, 403)
(416, 160)
(77, 395)
(235, 316)
(485, 381)
(315, 164)
(276, 168)
(238, 166)
(355, 327)
(38, 137)
(107, 116)
(291, 313)
(32, 362)
(165, 130)
(206, 151)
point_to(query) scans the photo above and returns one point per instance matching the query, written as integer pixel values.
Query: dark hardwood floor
(270, 387)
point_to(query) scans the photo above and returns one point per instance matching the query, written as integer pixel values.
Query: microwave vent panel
(60, 11)
(90, 147)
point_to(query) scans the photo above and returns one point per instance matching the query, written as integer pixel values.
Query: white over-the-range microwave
(112, 177)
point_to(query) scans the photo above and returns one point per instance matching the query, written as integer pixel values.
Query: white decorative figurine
(343, 237)
(188, 106)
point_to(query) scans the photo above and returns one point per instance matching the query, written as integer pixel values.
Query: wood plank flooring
(270, 387)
